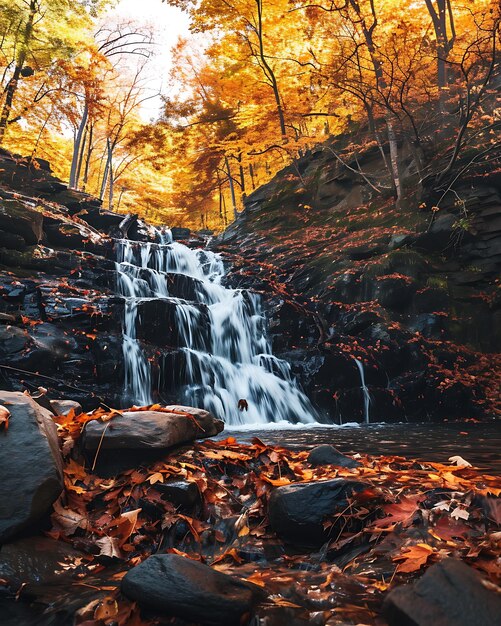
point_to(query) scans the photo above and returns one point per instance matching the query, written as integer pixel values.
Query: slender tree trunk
(395, 169)
(110, 175)
(232, 187)
(242, 176)
(251, 173)
(268, 71)
(80, 158)
(76, 148)
(90, 149)
(21, 58)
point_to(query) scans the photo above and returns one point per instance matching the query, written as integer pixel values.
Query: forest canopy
(257, 84)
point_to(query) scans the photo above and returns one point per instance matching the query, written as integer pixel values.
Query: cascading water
(221, 335)
(365, 391)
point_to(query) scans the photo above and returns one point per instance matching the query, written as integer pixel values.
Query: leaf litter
(424, 513)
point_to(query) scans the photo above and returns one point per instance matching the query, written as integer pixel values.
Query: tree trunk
(268, 71)
(76, 149)
(12, 85)
(232, 187)
(395, 169)
(90, 149)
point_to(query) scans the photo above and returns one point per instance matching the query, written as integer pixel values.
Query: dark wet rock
(12, 340)
(180, 233)
(68, 235)
(394, 292)
(35, 561)
(182, 493)
(36, 479)
(178, 586)
(18, 218)
(151, 429)
(11, 241)
(297, 512)
(450, 593)
(63, 407)
(329, 455)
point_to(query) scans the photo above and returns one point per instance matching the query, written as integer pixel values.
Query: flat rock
(63, 407)
(150, 430)
(329, 455)
(178, 586)
(297, 512)
(35, 561)
(30, 464)
(450, 593)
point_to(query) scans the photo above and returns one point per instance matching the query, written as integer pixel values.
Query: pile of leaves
(418, 514)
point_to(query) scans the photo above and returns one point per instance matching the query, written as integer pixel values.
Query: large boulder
(297, 512)
(140, 430)
(30, 464)
(178, 586)
(449, 594)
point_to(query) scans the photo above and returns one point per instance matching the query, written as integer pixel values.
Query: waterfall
(220, 333)
(365, 391)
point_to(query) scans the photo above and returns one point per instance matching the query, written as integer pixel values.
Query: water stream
(221, 333)
(365, 391)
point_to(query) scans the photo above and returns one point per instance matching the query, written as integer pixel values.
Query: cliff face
(412, 292)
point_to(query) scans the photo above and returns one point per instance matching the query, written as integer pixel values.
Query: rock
(329, 455)
(63, 407)
(178, 586)
(18, 218)
(30, 464)
(182, 493)
(11, 241)
(12, 340)
(449, 594)
(180, 233)
(151, 429)
(297, 512)
(35, 561)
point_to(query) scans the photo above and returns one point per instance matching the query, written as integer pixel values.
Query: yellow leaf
(157, 477)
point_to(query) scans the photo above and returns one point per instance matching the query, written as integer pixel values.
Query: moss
(437, 281)
(408, 262)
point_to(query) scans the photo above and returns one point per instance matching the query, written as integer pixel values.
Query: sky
(170, 23)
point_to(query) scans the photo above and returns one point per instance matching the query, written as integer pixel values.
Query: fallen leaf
(109, 546)
(459, 461)
(413, 557)
(4, 417)
(106, 609)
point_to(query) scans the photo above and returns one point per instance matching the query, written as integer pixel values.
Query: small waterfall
(220, 332)
(365, 391)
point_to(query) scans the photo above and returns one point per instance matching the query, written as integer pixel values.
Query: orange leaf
(414, 557)
(4, 417)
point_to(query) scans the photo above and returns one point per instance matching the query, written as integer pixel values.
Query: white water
(222, 335)
(365, 391)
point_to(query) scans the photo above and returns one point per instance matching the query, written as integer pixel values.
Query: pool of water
(478, 443)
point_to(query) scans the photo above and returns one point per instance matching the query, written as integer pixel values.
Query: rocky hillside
(409, 292)
(412, 292)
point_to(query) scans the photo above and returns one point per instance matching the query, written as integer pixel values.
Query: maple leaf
(4, 417)
(413, 557)
(68, 519)
(109, 546)
(402, 512)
